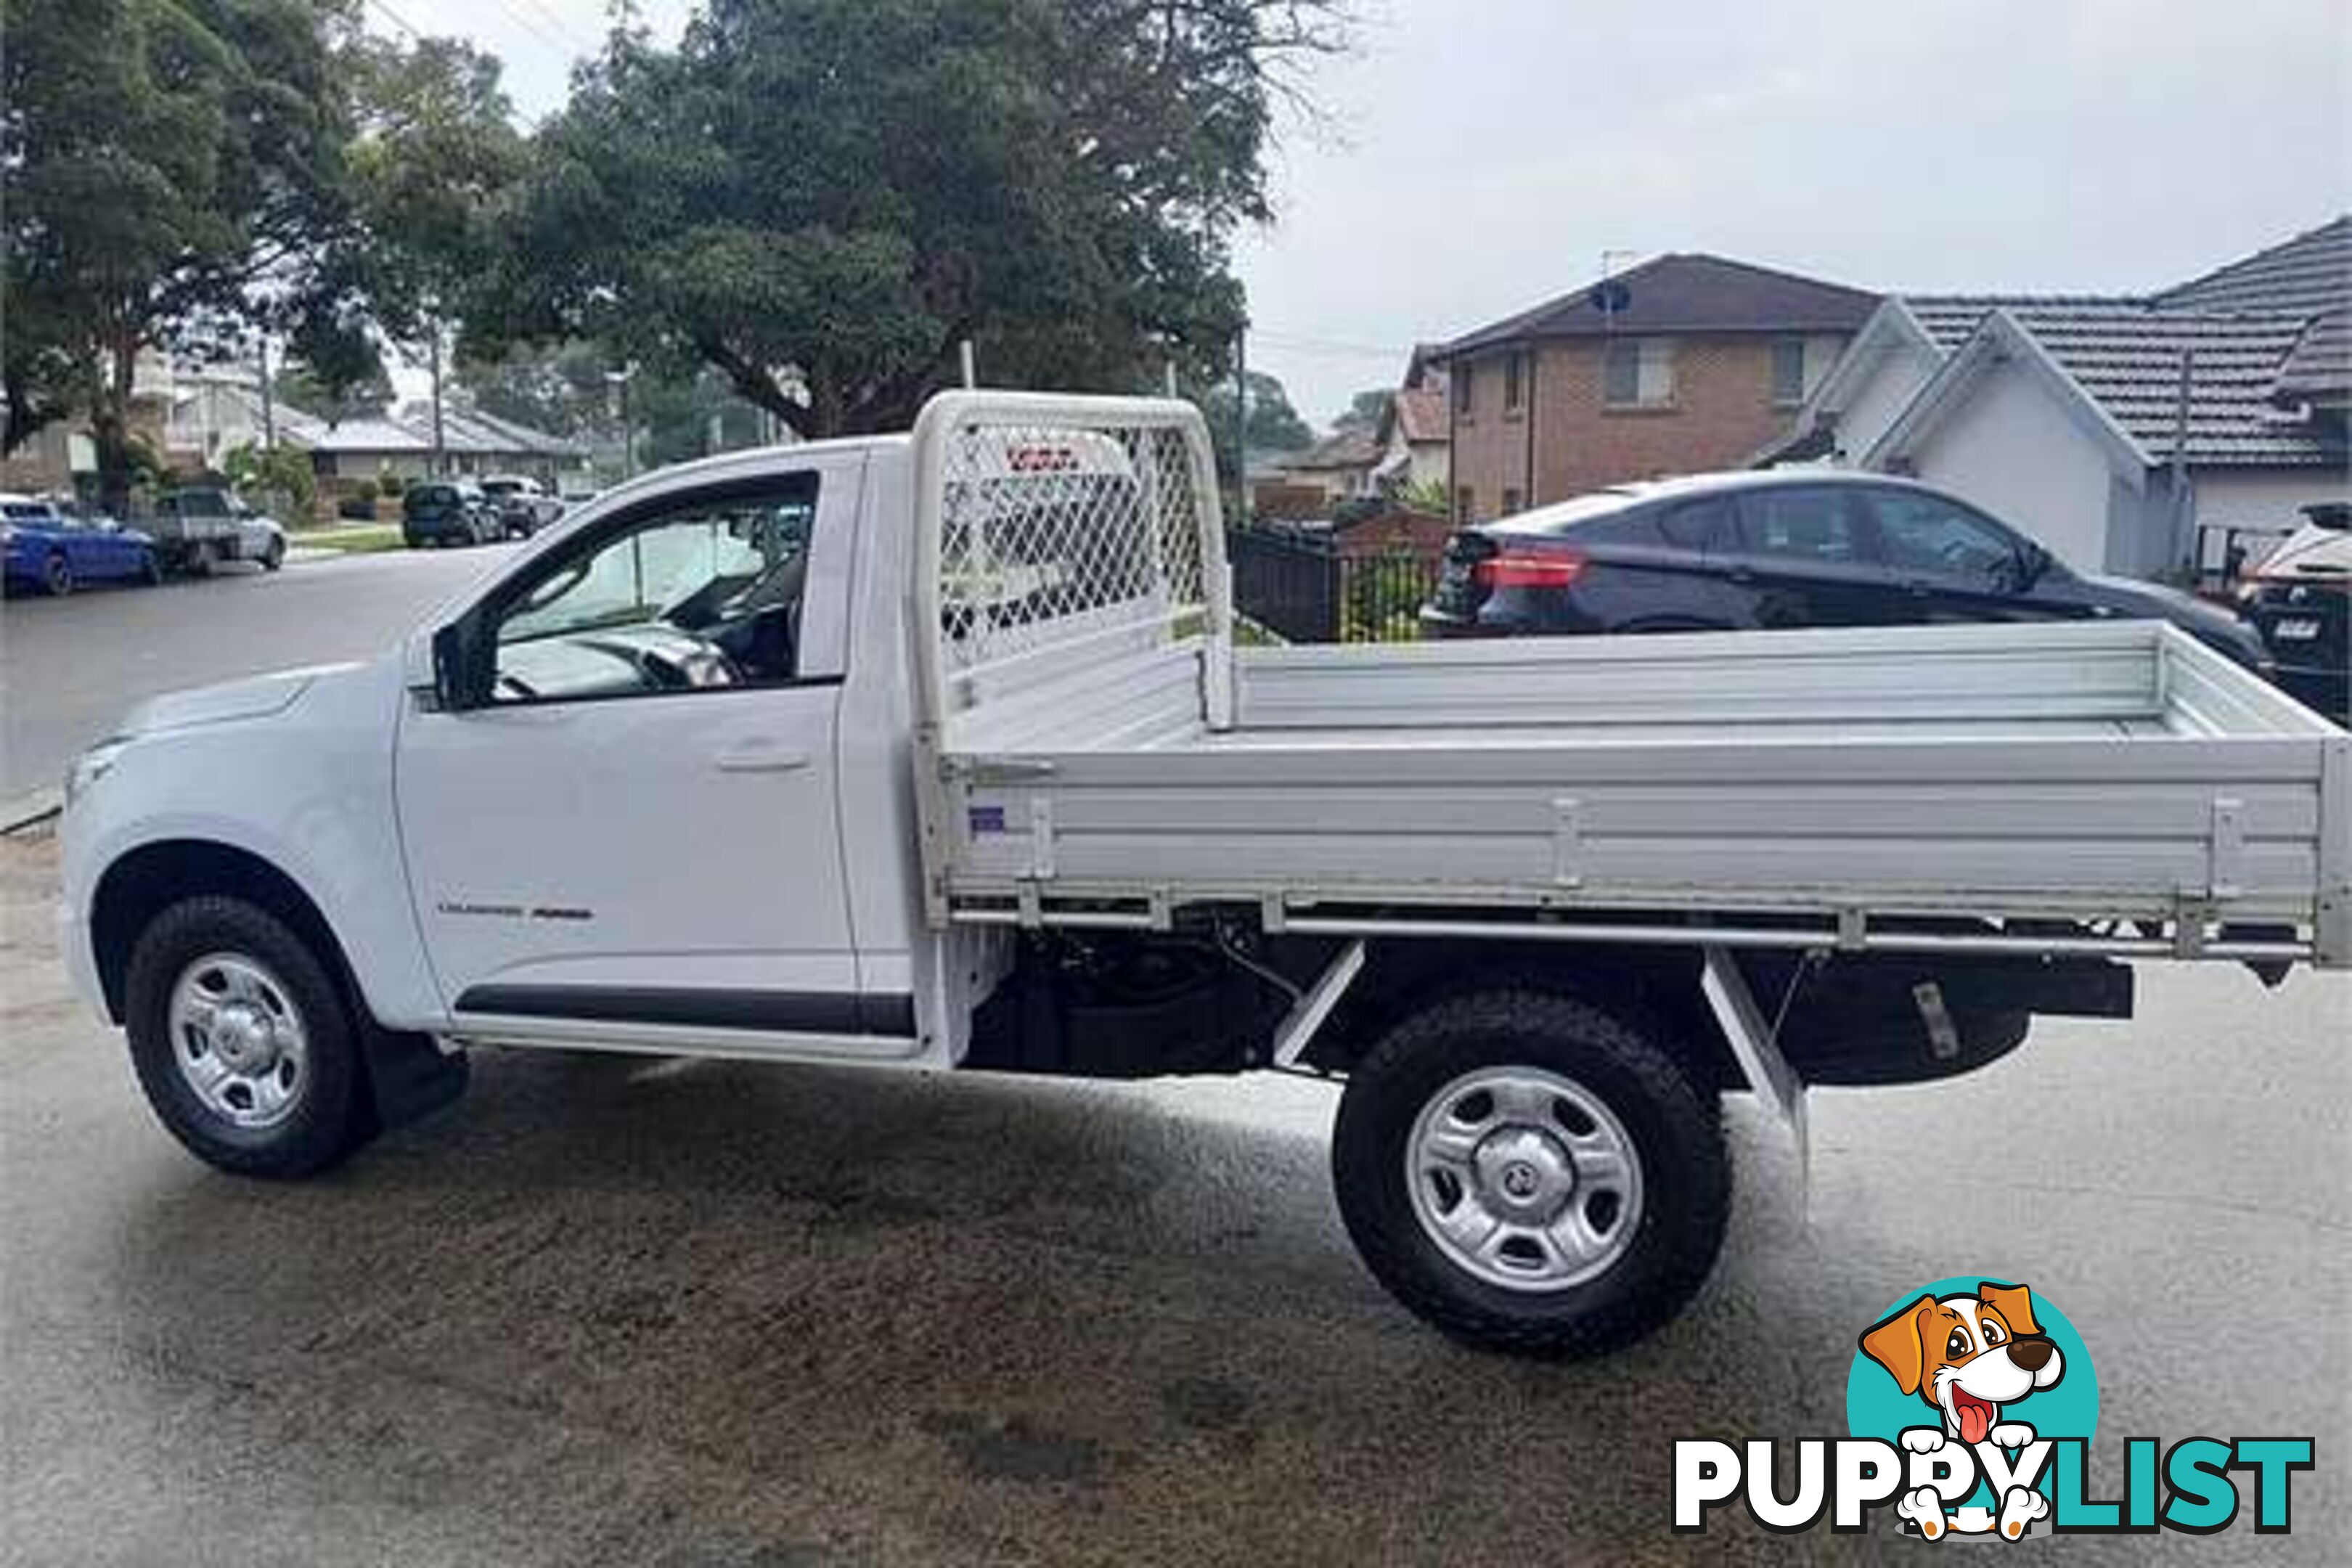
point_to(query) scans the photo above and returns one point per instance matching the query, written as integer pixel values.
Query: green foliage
(819, 199)
(1382, 597)
(166, 164)
(346, 389)
(560, 389)
(279, 474)
(1274, 427)
(1364, 412)
(183, 174)
(1427, 495)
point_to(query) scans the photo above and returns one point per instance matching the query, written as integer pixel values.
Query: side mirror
(457, 684)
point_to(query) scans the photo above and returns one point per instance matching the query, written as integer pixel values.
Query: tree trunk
(110, 424)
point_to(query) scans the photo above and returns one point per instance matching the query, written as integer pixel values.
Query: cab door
(624, 823)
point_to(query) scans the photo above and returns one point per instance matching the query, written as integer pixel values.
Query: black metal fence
(1299, 584)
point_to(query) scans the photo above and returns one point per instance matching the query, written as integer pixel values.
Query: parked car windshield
(1923, 532)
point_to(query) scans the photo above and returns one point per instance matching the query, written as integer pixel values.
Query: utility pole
(268, 405)
(618, 380)
(440, 450)
(1241, 422)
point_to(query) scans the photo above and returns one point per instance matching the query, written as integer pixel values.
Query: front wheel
(56, 575)
(243, 1042)
(274, 556)
(1530, 1174)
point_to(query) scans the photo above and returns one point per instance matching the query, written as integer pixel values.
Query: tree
(1274, 427)
(560, 389)
(1364, 412)
(335, 394)
(170, 167)
(819, 199)
(182, 174)
(280, 473)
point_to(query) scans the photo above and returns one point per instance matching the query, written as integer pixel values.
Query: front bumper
(81, 959)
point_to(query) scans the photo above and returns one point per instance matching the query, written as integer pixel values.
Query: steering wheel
(701, 665)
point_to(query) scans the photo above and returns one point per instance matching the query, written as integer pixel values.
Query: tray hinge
(1567, 842)
(1040, 837)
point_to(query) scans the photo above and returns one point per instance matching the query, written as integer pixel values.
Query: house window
(1515, 376)
(1511, 501)
(1789, 387)
(1638, 373)
(1464, 376)
(1465, 504)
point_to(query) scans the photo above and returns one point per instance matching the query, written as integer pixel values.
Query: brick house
(1684, 364)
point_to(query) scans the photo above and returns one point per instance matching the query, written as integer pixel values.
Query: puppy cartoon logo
(1970, 1405)
(1971, 1358)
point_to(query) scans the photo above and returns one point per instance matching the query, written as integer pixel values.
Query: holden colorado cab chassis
(937, 751)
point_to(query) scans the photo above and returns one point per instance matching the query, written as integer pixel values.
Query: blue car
(47, 549)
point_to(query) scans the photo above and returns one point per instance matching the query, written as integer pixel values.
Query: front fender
(307, 790)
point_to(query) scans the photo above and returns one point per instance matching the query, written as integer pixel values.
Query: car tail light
(1530, 569)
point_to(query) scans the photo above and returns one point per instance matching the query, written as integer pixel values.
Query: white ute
(936, 751)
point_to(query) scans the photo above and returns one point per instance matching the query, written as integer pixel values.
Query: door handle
(761, 757)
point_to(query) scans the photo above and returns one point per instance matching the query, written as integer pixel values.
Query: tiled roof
(462, 430)
(379, 433)
(2318, 369)
(1348, 449)
(1687, 292)
(1421, 412)
(2305, 275)
(2128, 358)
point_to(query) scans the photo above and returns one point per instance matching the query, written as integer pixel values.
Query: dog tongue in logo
(1975, 1416)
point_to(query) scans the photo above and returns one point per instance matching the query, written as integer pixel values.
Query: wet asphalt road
(609, 1311)
(70, 668)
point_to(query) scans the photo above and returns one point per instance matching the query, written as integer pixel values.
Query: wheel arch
(1654, 990)
(144, 881)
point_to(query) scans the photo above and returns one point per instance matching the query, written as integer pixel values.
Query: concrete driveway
(609, 1311)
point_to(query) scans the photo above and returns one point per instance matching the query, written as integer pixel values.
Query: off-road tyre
(1675, 1128)
(331, 1117)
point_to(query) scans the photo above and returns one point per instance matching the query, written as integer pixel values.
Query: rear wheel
(243, 1042)
(1530, 1174)
(57, 574)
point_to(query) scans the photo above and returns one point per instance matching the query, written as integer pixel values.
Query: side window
(704, 592)
(1807, 522)
(1697, 525)
(1920, 533)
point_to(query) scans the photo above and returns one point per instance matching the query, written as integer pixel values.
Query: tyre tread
(1452, 1024)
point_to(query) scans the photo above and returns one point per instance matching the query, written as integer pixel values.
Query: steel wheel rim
(238, 1041)
(1524, 1179)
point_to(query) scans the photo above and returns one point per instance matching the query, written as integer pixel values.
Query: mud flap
(409, 1075)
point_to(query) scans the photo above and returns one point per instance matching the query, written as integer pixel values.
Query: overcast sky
(1482, 153)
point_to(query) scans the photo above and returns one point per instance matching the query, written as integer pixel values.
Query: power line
(395, 18)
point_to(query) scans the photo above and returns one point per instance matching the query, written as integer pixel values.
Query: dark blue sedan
(47, 549)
